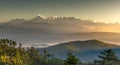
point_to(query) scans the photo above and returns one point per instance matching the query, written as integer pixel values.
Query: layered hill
(85, 50)
(43, 32)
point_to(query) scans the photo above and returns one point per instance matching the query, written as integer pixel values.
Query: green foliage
(71, 60)
(13, 54)
(108, 57)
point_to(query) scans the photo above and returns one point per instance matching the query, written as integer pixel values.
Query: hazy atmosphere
(42, 32)
(59, 32)
(48, 22)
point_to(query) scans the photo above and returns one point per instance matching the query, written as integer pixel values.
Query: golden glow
(109, 28)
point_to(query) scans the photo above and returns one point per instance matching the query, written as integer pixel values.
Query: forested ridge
(12, 53)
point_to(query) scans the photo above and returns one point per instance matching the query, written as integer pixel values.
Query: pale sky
(96, 10)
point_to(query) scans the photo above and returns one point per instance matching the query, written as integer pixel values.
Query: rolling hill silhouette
(85, 50)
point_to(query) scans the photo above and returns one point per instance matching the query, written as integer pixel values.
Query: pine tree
(108, 57)
(71, 59)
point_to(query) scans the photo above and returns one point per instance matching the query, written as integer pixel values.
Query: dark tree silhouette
(71, 59)
(108, 57)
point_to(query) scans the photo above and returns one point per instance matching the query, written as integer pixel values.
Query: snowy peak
(37, 19)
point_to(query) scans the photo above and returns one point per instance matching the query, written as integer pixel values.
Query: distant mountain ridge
(42, 32)
(52, 20)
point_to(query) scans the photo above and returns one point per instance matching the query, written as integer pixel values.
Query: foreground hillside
(12, 53)
(85, 50)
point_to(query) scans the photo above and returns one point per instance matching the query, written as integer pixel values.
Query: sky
(107, 11)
